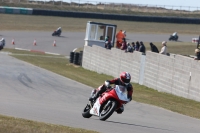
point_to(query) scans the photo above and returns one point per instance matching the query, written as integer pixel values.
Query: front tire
(86, 112)
(106, 113)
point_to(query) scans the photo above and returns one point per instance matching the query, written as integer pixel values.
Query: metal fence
(113, 6)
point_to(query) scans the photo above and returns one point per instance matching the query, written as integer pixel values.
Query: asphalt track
(70, 40)
(29, 92)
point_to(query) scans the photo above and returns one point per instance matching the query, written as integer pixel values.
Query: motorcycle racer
(123, 80)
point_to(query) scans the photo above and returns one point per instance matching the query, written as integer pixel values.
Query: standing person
(153, 48)
(197, 53)
(119, 37)
(129, 48)
(108, 45)
(123, 80)
(133, 46)
(2, 43)
(124, 44)
(137, 46)
(142, 48)
(164, 48)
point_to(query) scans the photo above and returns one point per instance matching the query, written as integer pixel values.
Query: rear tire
(86, 112)
(106, 113)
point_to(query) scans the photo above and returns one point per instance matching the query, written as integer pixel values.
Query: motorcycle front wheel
(105, 113)
(86, 112)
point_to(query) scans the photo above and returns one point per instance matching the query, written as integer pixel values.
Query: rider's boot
(95, 96)
(120, 110)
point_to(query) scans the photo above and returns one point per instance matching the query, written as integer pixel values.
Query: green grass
(141, 93)
(49, 23)
(17, 125)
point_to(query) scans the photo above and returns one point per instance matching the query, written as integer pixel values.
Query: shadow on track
(61, 36)
(122, 123)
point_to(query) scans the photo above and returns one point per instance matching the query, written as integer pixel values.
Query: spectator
(164, 48)
(142, 48)
(153, 48)
(137, 46)
(133, 46)
(129, 48)
(119, 37)
(2, 43)
(108, 45)
(124, 45)
(197, 53)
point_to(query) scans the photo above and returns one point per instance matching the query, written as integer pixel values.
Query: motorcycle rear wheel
(106, 113)
(86, 112)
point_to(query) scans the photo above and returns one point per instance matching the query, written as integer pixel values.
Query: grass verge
(141, 93)
(50, 23)
(17, 125)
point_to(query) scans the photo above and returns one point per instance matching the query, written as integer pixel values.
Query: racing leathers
(101, 89)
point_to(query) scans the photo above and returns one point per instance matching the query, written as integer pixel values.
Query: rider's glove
(107, 84)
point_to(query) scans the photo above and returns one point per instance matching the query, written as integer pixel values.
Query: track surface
(33, 93)
(70, 40)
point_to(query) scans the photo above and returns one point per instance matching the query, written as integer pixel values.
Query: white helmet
(2, 39)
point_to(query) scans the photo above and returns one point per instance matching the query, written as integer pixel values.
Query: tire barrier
(76, 58)
(30, 11)
(16, 10)
(71, 59)
(80, 58)
(116, 17)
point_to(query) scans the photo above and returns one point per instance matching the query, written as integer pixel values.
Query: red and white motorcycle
(107, 103)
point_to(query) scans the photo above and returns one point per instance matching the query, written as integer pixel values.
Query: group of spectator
(122, 44)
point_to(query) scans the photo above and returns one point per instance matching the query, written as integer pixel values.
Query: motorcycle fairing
(95, 109)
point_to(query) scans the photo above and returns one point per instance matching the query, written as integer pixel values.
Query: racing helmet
(125, 78)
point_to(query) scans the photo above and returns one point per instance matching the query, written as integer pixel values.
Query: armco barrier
(178, 75)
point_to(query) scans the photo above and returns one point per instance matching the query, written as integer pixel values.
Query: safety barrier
(16, 10)
(116, 17)
(76, 57)
(30, 11)
(177, 74)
